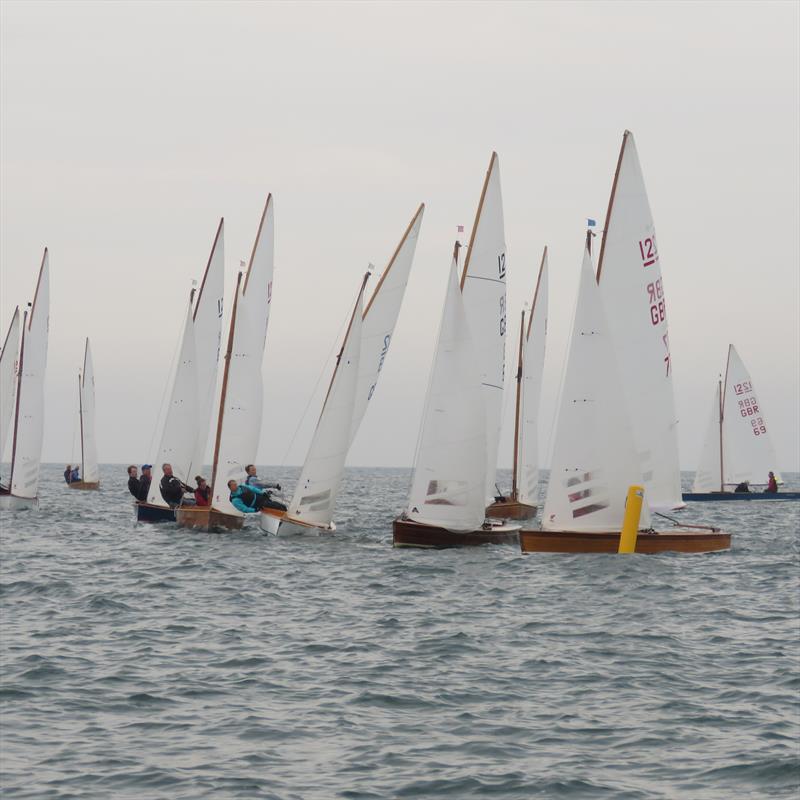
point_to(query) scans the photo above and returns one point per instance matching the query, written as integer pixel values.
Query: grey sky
(127, 130)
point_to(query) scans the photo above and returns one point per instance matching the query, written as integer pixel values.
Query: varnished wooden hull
(207, 519)
(510, 509)
(84, 485)
(406, 533)
(677, 541)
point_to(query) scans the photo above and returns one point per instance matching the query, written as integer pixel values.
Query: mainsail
(90, 472)
(449, 483)
(318, 485)
(594, 457)
(708, 477)
(629, 275)
(8, 371)
(533, 347)
(29, 416)
(241, 399)
(483, 284)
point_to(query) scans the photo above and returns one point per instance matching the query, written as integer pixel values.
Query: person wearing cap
(144, 482)
(172, 489)
(133, 480)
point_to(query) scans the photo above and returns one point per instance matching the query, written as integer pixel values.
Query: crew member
(171, 488)
(144, 482)
(68, 474)
(772, 484)
(249, 499)
(253, 480)
(75, 475)
(202, 494)
(743, 487)
(133, 480)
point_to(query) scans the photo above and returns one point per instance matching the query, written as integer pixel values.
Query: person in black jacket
(144, 482)
(133, 480)
(172, 489)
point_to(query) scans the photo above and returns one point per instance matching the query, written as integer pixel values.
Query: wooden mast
(16, 404)
(477, 218)
(224, 389)
(611, 203)
(516, 415)
(536, 291)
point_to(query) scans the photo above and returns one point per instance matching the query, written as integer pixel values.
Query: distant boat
(8, 374)
(239, 412)
(447, 503)
(522, 503)
(90, 472)
(188, 417)
(355, 377)
(22, 491)
(594, 454)
(629, 276)
(737, 446)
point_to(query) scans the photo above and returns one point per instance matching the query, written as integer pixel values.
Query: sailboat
(355, 377)
(22, 491)
(525, 476)
(90, 472)
(632, 288)
(8, 372)
(447, 502)
(239, 409)
(737, 447)
(188, 416)
(595, 459)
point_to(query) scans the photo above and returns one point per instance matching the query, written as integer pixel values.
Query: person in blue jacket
(75, 475)
(249, 499)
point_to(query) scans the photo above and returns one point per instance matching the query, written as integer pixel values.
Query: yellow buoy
(630, 525)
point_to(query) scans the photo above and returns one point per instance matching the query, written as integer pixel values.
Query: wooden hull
(406, 533)
(10, 502)
(146, 512)
(723, 497)
(207, 519)
(510, 509)
(84, 485)
(677, 541)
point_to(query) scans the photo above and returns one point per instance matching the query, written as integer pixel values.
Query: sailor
(133, 480)
(250, 499)
(75, 475)
(772, 484)
(68, 473)
(253, 480)
(743, 487)
(202, 494)
(144, 482)
(171, 488)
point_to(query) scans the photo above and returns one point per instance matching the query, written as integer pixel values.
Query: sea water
(142, 661)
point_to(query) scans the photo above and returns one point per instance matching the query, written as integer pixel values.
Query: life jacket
(248, 496)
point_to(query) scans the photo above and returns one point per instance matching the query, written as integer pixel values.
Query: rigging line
(678, 524)
(322, 371)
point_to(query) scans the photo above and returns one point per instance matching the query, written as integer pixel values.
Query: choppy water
(151, 663)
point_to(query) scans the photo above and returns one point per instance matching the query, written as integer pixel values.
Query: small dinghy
(595, 459)
(447, 503)
(90, 472)
(737, 450)
(355, 377)
(22, 489)
(188, 416)
(521, 504)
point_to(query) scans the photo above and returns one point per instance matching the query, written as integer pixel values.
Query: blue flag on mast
(590, 223)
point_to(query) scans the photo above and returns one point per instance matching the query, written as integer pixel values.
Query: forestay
(90, 472)
(632, 288)
(380, 318)
(239, 421)
(315, 495)
(8, 373)
(448, 487)
(594, 457)
(483, 285)
(533, 350)
(708, 477)
(207, 338)
(180, 423)
(29, 422)
(748, 452)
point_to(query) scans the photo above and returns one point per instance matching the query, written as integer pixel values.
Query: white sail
(380, 318)
(629, 275)
(708, 477)
(748, 453)
(594, 457)
(207, 338)
(90, 472)
(532, 368)
(29, 422)
(483, 285)
(179, 435)
(239, 421)
(8, 374)
(449, 483)
(315, 494)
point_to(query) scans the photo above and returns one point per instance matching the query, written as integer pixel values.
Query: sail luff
(80, 419)
(18, 394)
(217, 240)
(8, 364)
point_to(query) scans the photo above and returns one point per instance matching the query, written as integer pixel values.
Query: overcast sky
(127, 130)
